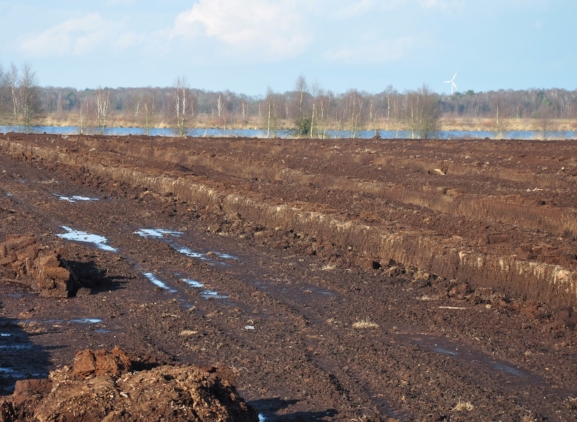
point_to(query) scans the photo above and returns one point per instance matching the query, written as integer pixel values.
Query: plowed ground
(459, 256)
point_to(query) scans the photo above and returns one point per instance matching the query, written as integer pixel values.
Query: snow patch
(79, 236)
(87, 320)
(157, 282)
(210, 294)
(193, 283)
(75, 198)
(157, 233)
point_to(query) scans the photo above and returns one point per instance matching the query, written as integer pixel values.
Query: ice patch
(193, 283)
(185, 251)
(102, 331)
(210, 294)
(5, 335)
(159, 283)
(249, 327)
(9, 195)
(75, 198)
(261, 418)
(87, 320)
(79, 236)
(83, 198)
(157, 233)
(226, 256)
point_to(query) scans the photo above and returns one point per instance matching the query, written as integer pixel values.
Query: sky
(247, 46)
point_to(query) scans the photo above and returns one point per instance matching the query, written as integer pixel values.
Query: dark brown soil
(458, 256)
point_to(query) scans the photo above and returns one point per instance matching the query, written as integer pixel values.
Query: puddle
(210, 294)
(75, 198)
(16, 346)
(193, 283)
(508, 369)
(165, 234)
(445, 351)
(157, 282)
(102, 331)
(5, 335)
(261, 418)
(87, 320)
(16, 295)
(12, 373)
(79, 236)
(249, 327)
(157, 233)
(469, 355)
(9, 195)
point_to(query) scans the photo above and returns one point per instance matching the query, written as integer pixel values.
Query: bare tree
(182, 105)
(102, 99)
(422, 113)
(83, 113)
(219, 105)
(303, 123)
(501, 113)
(3, 91)
(324, 103)
(135, 103)
(354, 111)
(12, 79)
(317, 95)
(28, 91)
(545, 115)
(147, 112)
(273, 103)
(396, 112)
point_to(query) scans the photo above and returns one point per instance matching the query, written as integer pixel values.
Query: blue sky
(247, 45)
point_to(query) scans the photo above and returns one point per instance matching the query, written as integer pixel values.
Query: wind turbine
(453, 84)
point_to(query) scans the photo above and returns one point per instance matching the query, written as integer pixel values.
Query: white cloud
(270, 29)
(357, 8)
(127, 39)
(78, 36)
(370, 51)
(120, 2)
(431, 4)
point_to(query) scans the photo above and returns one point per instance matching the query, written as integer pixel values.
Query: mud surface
(340, 279)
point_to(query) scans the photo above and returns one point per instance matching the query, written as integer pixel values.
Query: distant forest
(126, 101)
(307, 109)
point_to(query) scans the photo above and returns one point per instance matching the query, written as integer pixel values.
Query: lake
(255, 133)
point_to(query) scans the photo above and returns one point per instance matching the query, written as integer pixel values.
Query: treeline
(307, 110)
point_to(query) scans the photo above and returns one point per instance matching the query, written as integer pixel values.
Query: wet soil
(321, 318)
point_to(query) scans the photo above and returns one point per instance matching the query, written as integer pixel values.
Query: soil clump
(42, 269)
(102, 386)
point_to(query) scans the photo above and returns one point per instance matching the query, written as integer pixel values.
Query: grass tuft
(365, 323)
(463, 406)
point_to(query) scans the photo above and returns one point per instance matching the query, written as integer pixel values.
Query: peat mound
(101, 386)
(42, 269)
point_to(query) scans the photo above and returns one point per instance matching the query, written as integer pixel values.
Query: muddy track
(289, 242)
